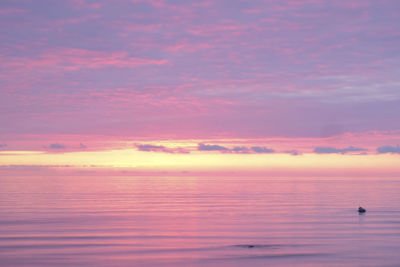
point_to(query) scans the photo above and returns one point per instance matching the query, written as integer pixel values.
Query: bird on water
(361, 210)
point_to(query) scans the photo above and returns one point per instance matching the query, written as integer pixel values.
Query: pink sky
(243, 77)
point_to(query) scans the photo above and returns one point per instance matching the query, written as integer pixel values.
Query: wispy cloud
(159, 148)
(72, 59)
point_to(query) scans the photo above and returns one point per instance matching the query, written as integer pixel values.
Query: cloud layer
(201, 70)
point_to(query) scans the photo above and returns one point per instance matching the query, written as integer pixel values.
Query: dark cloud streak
(293, 152)
(388, 149)
(151, 148)
(240, 149)
(262, 149)
(157, 148)
(57, 146)
(333, 150)
(204, 147)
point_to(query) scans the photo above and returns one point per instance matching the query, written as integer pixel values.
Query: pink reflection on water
(197, 221)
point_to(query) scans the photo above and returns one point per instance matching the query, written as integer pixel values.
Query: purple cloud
(389, 149)
(57, 146)
(205, 147)
(157, 148)
(333, 150)
(240, 149)
(3, 145)
(292, 152)
(262, 149)
(151, 148)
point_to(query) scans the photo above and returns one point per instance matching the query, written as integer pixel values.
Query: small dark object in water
(361, 210)
(250, 246)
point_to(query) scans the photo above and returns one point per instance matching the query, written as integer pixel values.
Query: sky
(260, 84)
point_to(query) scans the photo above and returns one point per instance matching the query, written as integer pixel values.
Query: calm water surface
(198, 221)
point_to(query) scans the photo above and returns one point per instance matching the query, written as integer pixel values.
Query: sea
(205, 220)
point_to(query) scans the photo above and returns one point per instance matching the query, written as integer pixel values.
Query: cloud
(157, 148)
(181, 150)
(240, 149)
(389, 149)
(333, 150)
(204, 147)
(57, 146)
(262, 149)
(82, 146)
(236, 149)
(3, 145)
(151, 148)
(292, 152)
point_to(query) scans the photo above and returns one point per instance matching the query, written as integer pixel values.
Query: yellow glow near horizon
(131, 158)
